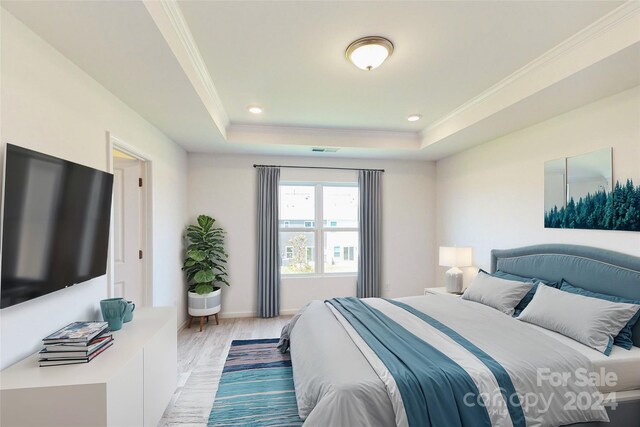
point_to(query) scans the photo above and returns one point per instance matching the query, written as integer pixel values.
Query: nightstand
(439, 291)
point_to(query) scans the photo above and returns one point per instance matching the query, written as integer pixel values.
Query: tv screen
(55, 229)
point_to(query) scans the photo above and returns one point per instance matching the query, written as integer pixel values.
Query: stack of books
(78, 342)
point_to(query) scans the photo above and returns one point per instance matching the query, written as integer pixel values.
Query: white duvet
(339, 380)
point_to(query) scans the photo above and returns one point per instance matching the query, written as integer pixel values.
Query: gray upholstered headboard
(594, 269)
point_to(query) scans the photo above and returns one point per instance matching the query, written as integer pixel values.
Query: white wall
(52, 106)
(224, 187)
(492, 196)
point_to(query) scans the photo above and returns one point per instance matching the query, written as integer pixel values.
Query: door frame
(114, 142)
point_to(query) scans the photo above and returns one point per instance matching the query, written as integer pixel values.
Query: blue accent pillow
(515, 277)
(623, 339)
(529, 296)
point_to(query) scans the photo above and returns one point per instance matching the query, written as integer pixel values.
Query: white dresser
(128, 385)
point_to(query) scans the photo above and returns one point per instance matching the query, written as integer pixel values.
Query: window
(318, 228)
(348, 253)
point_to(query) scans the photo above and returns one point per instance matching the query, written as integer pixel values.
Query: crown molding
(172, 25)
(325, 137)
(610, 21)
(298, 130)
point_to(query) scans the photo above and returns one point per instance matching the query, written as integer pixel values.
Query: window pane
(340, 207)
(297, 253)
(297, 206)
(340, 251)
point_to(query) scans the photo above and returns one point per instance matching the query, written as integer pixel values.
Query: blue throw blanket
(433, 386)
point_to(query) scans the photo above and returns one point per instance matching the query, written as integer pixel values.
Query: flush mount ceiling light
(368, 53)
(254, 109)
(414, 117)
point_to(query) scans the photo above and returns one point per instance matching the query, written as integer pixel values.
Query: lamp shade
(455, 257)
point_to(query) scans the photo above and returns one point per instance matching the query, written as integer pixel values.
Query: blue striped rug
(256, 388)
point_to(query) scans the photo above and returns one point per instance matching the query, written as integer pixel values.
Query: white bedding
(625, 364)
(336, 385)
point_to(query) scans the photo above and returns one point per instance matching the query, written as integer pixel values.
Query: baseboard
(237, 314)
(244, 314)
(183, 325)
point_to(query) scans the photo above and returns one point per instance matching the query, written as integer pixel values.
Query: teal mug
(128, 313)
(113, 311)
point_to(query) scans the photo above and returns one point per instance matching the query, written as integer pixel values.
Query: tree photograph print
(579, 192)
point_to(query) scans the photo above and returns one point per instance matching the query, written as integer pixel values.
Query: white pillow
(495, 292)
(591, 321)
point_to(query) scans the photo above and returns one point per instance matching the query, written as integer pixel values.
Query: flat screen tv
(55, 228)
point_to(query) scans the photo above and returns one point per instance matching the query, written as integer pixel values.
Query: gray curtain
(369, 211)
(268, 253)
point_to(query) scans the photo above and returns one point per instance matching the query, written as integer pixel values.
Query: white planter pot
(204, 305)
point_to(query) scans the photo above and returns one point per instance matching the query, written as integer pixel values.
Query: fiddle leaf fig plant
(206, 261)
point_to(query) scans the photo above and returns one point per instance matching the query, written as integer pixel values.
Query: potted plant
(206, 267)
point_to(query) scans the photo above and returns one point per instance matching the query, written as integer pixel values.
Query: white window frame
(318, 229)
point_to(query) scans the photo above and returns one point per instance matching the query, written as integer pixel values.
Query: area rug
(256, 388)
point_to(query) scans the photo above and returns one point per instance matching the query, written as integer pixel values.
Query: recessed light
(414, 117)
(254, 109)
(370, 52)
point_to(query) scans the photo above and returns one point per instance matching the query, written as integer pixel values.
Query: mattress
(625, 364)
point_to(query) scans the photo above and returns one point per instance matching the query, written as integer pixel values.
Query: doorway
(130, 257)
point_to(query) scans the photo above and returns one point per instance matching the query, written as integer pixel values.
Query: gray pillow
(495, 292)
(592, 321)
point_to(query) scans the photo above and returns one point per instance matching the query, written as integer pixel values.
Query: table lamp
(454, 257)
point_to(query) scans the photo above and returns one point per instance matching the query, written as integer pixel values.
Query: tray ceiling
(192, 67)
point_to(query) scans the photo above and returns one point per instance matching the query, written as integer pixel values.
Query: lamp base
(453, 280)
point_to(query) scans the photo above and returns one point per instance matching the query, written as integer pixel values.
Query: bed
(341, 381)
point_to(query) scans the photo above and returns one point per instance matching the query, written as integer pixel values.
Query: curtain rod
(317, 167)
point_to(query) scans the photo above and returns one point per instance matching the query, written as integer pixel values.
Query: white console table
(128, 385)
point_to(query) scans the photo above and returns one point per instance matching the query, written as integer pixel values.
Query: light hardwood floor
(201, 357)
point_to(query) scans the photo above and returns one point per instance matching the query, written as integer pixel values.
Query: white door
(127, 207)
